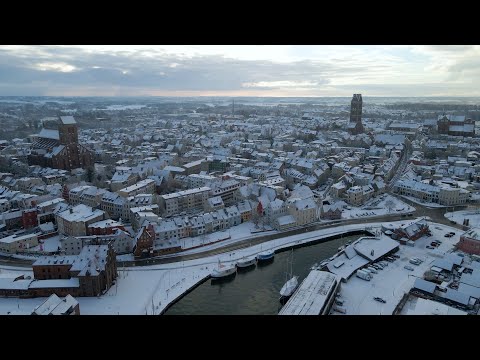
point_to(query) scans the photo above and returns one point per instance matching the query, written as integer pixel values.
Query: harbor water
(255, 290)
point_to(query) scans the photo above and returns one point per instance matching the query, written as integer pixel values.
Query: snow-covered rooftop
(312, 294)
(55, 283)
(49, 134)
(67, 120)
(80, 212)
(373, 248)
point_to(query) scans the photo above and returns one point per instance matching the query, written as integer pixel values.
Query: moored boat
(265, 255)
(223, 270)
(291, 283)
(290, 286)
(246, 262)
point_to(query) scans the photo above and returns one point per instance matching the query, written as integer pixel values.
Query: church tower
(355, 125)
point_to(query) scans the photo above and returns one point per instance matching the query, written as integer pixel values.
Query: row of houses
(428, 192)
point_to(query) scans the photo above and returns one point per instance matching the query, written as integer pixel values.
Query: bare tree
(389, 204)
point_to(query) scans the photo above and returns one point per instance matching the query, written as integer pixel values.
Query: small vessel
(289, 287)
(292, 283)
(246, 261)
(223, 270)
(265, 255)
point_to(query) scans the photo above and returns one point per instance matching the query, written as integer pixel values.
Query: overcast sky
(239, 70)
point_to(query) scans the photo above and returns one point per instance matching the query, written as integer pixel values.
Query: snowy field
(459, 216)
(394, 281)
(384, 205)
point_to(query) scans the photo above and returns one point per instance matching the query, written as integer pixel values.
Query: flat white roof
(429, 307)
(137, 186)
(312, 294)
(373, 248)
(349, 267)
(55, 283)
(185, 192)
(14, 238)
(80, 212)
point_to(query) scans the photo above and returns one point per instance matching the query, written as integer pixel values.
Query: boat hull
(218, 274)
(289, 288)
(246, 263)
(265, 256)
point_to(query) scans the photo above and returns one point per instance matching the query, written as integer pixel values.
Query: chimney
(71, 211)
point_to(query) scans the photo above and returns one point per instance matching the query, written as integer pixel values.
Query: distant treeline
(433, 107)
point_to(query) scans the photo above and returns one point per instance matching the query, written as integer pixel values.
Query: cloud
(241, 70)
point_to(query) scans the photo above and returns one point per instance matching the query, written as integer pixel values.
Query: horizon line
(228, 96)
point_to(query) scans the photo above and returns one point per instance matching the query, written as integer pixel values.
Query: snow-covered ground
(51, 244)
(459, 216)
(149, 289)
(421, 202)
(383, 205)
(394, 281)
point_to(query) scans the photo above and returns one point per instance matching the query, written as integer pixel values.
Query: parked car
(430, 247)
(379, 299)
(452, 233)
(408, 267)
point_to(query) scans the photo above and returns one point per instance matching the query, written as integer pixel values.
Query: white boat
(290, 286)
(266, 255)
(292, 283)
(246, 261)
(223, 270)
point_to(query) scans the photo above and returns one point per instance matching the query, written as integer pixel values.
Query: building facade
(59, 148)
(355, 125)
